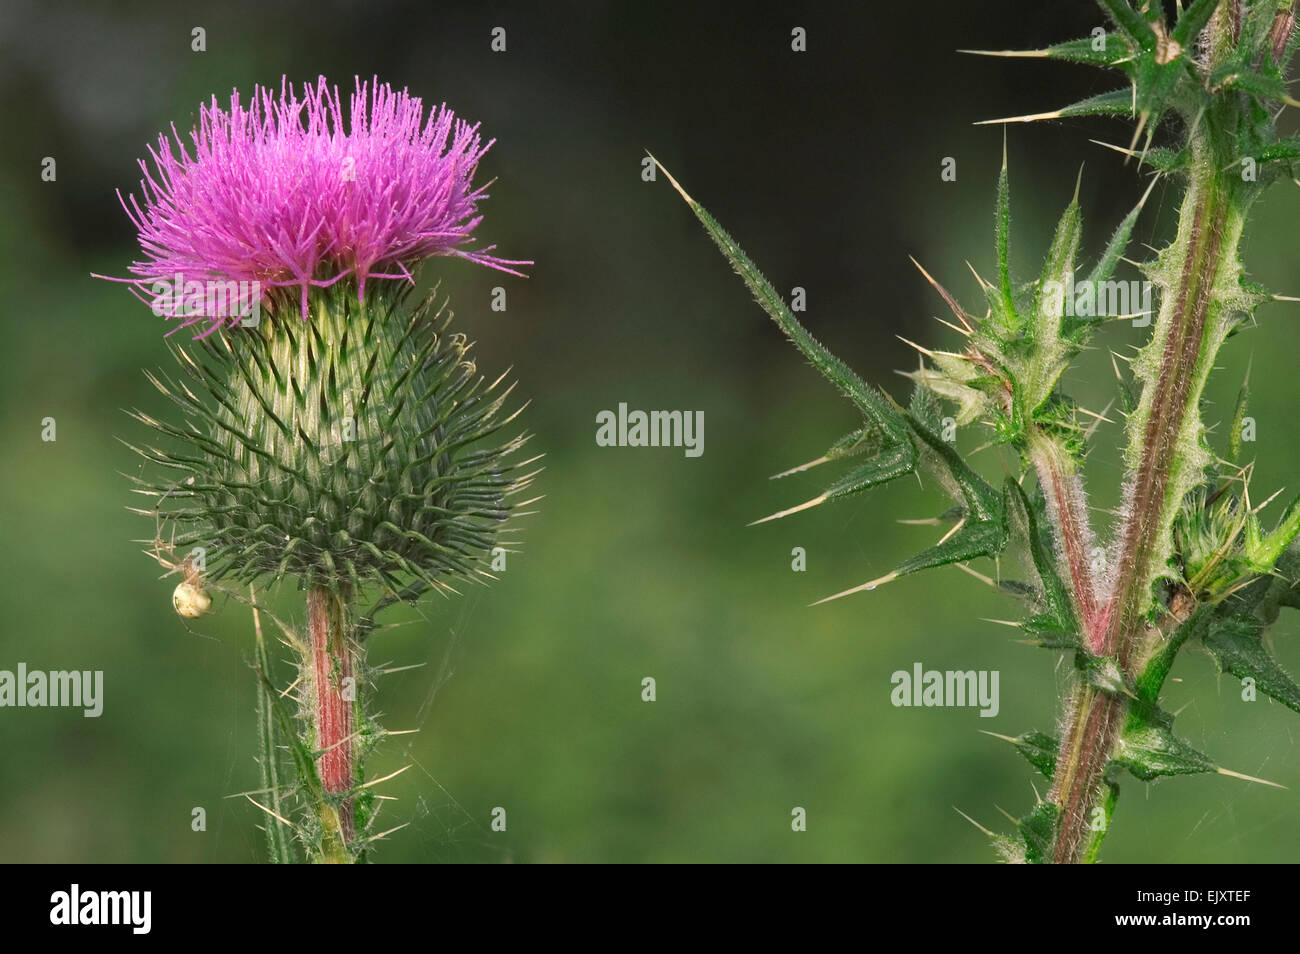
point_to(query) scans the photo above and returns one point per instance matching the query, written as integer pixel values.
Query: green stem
(277, 838)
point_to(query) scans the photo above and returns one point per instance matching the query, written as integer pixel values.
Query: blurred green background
(639, 562)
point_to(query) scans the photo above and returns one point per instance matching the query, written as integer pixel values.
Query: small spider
(190, 599)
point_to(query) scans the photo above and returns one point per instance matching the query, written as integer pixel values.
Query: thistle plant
(329, 427)
(1189, 558)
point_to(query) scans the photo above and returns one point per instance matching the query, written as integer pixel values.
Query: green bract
(346, 448)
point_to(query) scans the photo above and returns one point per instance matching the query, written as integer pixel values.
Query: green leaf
(1038, 829)
(1047, 633)
(875, 406)
(890, 463)
(1117, 102)
(1263, 87)
(1166, 160)
(1285, 588)
(1288, 148)
(979, 538)
(1238, 418)
(1102, 672)
(1149, 749)
(1152, 678)
(1058, 266)
(277, 838)
(1193, 21)
(1056, 596)
(1130, 21)
(982, 502)
(1105, 266)
(1263, 552)
(1115, 50)
(1002, 236)
(926, 409)
(1238, 647)
(1039, 750)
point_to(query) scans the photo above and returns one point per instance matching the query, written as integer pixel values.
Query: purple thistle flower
(280, 194)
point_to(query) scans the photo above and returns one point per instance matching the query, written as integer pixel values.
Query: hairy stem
(1092, 730)
(277, 837)
(1068, 515)
(331, 666)
(1095, 717)
(1148, 503)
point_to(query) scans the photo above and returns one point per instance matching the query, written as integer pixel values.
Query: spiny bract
(343, 448)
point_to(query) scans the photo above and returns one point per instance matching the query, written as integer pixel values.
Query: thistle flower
(283, 193)
(343, 441)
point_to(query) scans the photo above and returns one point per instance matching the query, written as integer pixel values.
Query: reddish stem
(332, 670)
(1070, 518)
(1096, 718)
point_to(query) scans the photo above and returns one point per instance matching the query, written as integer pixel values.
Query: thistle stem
(1147, 499)
(1092, 731)
(1068, 514)
(332, 665)
(1095, 718)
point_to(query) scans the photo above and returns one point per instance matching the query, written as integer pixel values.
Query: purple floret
(282, 192)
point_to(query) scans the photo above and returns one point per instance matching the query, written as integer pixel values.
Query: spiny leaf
(1263, 551)
(1102, 672)
(1056, 597)
(1118, 102)
(1263, 87)
(1193, 20)
(1038, 748)
(984, 532)
(1048, 634)
(1238, 647)
(1149, 749)
(1114, 103)
(982, 502)
(888, 464)
(1058, 266)
(870, 402)
(865, 439)
(1113, 50)
(1002, 233)
(1105, 266)
(1130, 21)
(979, 538)
(1038, 829)
(1238, 418)
(1283, 149)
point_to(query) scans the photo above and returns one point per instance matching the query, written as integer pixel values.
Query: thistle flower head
(348, 447)
(284, 192)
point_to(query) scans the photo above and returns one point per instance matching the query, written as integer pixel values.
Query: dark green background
(826, 166)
